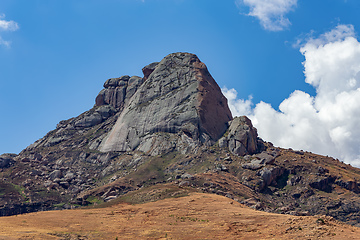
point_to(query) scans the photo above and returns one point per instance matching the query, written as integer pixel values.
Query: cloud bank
(271, 13)
(328, 123)
(7, 26)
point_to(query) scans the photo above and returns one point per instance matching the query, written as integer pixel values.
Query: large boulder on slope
(242, 138)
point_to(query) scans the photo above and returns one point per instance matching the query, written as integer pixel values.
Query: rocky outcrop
(77, 131)
(178, 106)
(117, 91)
(269, 175)
(242, 138)
(148, 69)
(6, 160)
(323, 183)
(260, 160)
(349, 185)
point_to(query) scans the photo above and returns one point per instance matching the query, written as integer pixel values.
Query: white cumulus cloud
(329, 122)
(238, 107)
(271, 13)
(7, 26)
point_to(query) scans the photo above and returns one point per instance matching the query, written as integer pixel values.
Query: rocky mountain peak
(148, 137)
(177, 105)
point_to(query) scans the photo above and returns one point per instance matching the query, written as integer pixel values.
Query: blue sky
(55, 56)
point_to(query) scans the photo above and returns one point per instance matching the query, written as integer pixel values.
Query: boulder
(94, 116)
(187, 175)
(106, 111)
(255, 164)
(349, 185)
(323, 183)
(109, 198)
(242, 138)
(5, 160)
(223, 142)
(69, 176)
(115, 82)
(89, 121)
(56, 174)
(269, 175)
(260, 160)
(55, 140)
(267, 157)
(148, 69)
(112, 82)
(133, 85)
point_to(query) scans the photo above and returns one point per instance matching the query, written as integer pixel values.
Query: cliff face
(178, 106)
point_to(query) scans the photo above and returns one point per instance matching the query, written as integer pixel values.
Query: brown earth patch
(197, 216)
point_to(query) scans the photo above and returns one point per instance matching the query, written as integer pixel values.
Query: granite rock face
(178, 106)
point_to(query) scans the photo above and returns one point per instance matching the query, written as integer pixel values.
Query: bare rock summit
(176, 106)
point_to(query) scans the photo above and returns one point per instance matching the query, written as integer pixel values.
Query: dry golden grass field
(197, 216)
